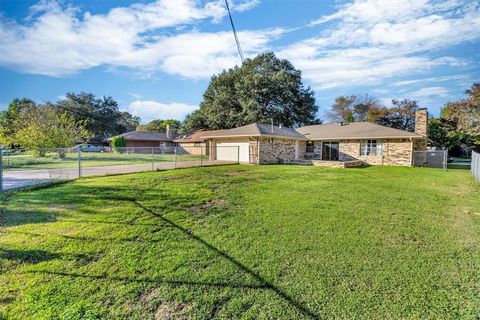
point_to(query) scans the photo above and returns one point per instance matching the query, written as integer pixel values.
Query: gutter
(255, 135)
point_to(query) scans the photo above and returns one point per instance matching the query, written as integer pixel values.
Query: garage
(228, 151)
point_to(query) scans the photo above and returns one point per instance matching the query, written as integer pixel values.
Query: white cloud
(429, 92)
(58, 41)
(149, 110)
(370, 41)
(430, 79)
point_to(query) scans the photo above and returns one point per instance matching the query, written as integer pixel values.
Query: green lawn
(52, 161)
(252, 242)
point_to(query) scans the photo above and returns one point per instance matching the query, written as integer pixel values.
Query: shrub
(118, 142)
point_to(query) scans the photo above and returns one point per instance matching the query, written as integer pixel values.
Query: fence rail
(475, 166)
(25, 167)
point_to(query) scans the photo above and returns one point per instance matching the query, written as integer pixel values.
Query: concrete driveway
(13, 179)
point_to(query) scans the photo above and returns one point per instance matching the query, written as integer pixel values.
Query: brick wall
(396, 152)
(273, 150)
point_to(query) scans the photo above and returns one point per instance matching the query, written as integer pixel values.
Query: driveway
(13, 179)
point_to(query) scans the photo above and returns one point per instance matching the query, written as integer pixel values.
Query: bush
(118, 142)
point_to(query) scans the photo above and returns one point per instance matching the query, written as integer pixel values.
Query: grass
(52, 161)
(251, 242)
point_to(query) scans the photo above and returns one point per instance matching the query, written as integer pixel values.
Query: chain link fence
(475, 166)
(26, 167)
(430, 159)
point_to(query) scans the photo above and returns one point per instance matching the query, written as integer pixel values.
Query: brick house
(358, 142)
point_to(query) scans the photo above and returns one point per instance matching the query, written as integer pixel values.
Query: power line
(240, 52)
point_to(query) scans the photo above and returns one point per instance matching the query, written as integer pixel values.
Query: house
(257, 143)
(194, 142)
(359, 142)
(146, 139)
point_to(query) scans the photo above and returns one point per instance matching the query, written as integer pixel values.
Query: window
(371, 148)
(197, 144)
(310, 148)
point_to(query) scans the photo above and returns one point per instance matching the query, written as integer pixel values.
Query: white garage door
(228, 151)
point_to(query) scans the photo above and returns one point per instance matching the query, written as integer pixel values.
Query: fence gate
(430, 159)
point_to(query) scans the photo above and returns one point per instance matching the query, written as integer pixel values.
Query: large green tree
(101, 116)
(46, 127)
(160, 125)
(8, 118)
(263, 89)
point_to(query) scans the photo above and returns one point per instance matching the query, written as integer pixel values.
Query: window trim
(371, 148)
(312, 145)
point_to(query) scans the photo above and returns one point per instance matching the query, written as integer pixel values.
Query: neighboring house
(136, 139)
(362, 142)
(195, 142)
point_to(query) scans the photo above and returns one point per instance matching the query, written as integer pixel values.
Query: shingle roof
(196, 136)
(144, 136)
(258, 130)
(355, 130)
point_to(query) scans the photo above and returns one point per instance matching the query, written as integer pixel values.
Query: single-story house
(146, 139)
(257, 143)
(194, 142)
(360, 142)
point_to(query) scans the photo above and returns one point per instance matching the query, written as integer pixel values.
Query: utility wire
(240, 52)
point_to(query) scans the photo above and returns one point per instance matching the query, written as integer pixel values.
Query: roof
(196, 136)
(354, 130)
(144, 136)
(258, 130)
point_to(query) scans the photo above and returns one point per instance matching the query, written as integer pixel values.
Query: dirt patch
(210, 204)
(172, 310)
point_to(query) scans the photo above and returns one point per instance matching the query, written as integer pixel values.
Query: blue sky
(156, 57)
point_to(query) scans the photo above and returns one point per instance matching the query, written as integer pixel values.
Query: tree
(101, 116)
(341, 110)
(366, 108)
(159, 125)
(462, 119)
(262, 89)
(401, 115)
(8, 118)
(45, 127)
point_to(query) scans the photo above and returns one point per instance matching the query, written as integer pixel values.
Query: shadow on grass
(111, 194)
(264, 283)
(28, 256)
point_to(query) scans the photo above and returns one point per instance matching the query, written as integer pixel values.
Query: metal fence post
(79, 162)
(175, 163)
(238, 154)
(1, 170)
(445, 159)
(153, 160)
(201, 156)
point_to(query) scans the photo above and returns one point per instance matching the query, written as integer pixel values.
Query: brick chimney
(421, 121)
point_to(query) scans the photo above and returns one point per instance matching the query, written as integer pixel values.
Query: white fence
(22, 167)
(475, 166)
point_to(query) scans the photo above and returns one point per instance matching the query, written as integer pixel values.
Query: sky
(156, 57)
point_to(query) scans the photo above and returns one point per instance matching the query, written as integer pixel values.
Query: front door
(330, 151)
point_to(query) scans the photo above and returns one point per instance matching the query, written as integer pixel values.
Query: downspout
(411, 152)
(258, 151)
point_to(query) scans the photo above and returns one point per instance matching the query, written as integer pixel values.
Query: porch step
(302, 162)
(338, 164)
